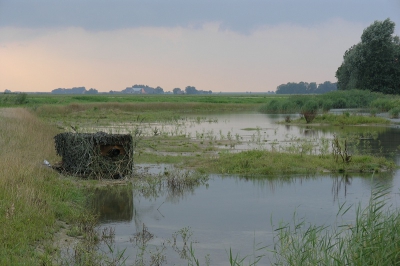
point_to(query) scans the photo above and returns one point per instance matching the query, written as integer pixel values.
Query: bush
(310, 107)
(394, 112)
(21, 98)
(340, 103)
(309, 110)
(382, 104)
(327, 105)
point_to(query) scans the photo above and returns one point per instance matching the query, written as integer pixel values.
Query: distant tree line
(141, 89)
(190, 90)
(135, 89)
(74, 90)
(306, 88)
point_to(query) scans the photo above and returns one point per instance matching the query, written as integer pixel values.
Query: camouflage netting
(98, 155)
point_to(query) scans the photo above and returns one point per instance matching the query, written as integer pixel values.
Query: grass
(345, 119)
(32, 197)
(207, 158)
(372, 239)
(103, 113)
(256, 162)
(35, 100)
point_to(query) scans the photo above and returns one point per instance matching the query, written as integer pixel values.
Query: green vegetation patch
(268, 162)
(104, 113)
(344, 119)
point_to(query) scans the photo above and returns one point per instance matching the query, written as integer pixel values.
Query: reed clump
(373, 238)
(32, 196)
(354, 99)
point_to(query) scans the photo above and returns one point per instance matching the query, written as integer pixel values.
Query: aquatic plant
(394, 112)
(340, 150)
(372, 239)
(309, 110)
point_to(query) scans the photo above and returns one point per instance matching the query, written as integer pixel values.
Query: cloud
(235, 15)
(205, 56)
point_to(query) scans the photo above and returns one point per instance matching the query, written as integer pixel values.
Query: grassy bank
(32, 197)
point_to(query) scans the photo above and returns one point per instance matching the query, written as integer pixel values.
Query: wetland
(238, 210)
(213, 184)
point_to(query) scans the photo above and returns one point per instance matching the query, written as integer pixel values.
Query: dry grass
(32, 196)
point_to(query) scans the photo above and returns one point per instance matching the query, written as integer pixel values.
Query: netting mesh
(97, 155)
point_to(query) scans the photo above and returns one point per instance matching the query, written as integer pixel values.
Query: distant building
(131, 90)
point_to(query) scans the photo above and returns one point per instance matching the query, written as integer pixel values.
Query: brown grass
(32, 196)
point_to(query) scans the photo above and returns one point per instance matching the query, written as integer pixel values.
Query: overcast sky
(219, 45)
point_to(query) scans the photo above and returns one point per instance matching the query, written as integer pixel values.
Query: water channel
(240, 213)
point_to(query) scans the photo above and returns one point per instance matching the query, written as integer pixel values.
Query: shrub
(309, 110)
(21, 98)
(394, 112)
(340, 103)
(373, 111)
(327, 105)
(383, 104)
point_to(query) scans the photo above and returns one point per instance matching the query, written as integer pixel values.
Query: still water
(237, 213)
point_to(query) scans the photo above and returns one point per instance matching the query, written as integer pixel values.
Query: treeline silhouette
(306, 88)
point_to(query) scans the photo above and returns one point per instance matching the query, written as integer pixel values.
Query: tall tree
(373, 64)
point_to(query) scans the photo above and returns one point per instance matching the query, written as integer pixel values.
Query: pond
(261, 131)
(237, 213)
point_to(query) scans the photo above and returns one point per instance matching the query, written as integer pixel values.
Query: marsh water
(238, 213)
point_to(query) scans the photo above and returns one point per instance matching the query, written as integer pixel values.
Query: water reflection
(225, 212)
(113, 203)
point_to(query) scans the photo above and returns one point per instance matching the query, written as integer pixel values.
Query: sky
(219, 45)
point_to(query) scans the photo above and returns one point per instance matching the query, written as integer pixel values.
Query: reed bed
(373, 238)
(32, 196)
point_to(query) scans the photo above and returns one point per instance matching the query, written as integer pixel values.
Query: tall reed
(373, 238)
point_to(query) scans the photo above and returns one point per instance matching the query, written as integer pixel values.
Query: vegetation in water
(346, 118)
(256, 162)
(373, 238)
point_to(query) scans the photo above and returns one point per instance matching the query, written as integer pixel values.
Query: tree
(159, 90)
(305, 88)
(177, 91)
(191, 90)
(92, 91)
(327, 86)
(374, 63)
